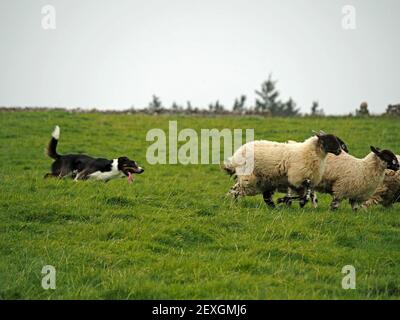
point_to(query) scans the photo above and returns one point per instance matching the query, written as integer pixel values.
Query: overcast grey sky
(114, 54)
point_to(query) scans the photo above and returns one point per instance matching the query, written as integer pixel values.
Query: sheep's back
(268, 167)
(269, 158)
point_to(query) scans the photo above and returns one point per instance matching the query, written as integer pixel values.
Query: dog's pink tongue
(130, 177)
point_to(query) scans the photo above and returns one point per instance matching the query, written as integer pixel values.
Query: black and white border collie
(83, 167)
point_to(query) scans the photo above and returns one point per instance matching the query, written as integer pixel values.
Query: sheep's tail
(52, 146)
(228, 167)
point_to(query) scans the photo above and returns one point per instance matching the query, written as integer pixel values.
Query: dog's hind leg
(57, 174)
(64, 173)
(78, 176)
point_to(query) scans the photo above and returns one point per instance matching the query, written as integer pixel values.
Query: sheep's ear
(319, 134)
(343, 145)
(375, 150)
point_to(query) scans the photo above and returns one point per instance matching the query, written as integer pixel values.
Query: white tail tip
(56, 133)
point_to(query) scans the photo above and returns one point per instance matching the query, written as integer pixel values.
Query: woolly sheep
(388, 192)
(311, 195)
(347, 177)
(280, 165)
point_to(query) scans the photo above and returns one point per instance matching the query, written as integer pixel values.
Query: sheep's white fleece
(279, 165)
(388, 192)
(348, 177)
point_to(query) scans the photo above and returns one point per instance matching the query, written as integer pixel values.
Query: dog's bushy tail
(52, 146)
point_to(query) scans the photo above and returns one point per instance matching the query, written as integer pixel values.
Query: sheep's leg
(287, 200)
(335, 203)
(235, 192)
(314, 199)
(267, 195)
(288, 197)
(354, 204)
(303, 201)
(302, 197)
(305, 193)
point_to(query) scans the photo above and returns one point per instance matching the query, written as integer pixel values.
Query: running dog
(83, 167)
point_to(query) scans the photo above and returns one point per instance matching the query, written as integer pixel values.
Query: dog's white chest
(107, 175)
(98, 175)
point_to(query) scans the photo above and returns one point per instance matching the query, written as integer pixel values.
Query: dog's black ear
(377, 151)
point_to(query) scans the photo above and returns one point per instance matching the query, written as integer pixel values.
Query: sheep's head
(329, 143)
(388, 157)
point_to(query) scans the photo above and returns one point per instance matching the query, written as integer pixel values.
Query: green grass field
(172, 234)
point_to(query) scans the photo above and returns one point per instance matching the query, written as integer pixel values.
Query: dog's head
(388, 157)
(128, 166)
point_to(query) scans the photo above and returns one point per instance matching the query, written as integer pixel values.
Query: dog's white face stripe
(108, 175)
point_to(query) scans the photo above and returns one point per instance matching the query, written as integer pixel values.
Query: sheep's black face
(342, 145)
(388, 157)
(330, 143)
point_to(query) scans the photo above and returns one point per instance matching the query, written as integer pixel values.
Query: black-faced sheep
(262, 167)
(388, 192)
(347, 177)
(311, 193)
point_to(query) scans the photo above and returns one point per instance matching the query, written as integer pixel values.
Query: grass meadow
(172, 234)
